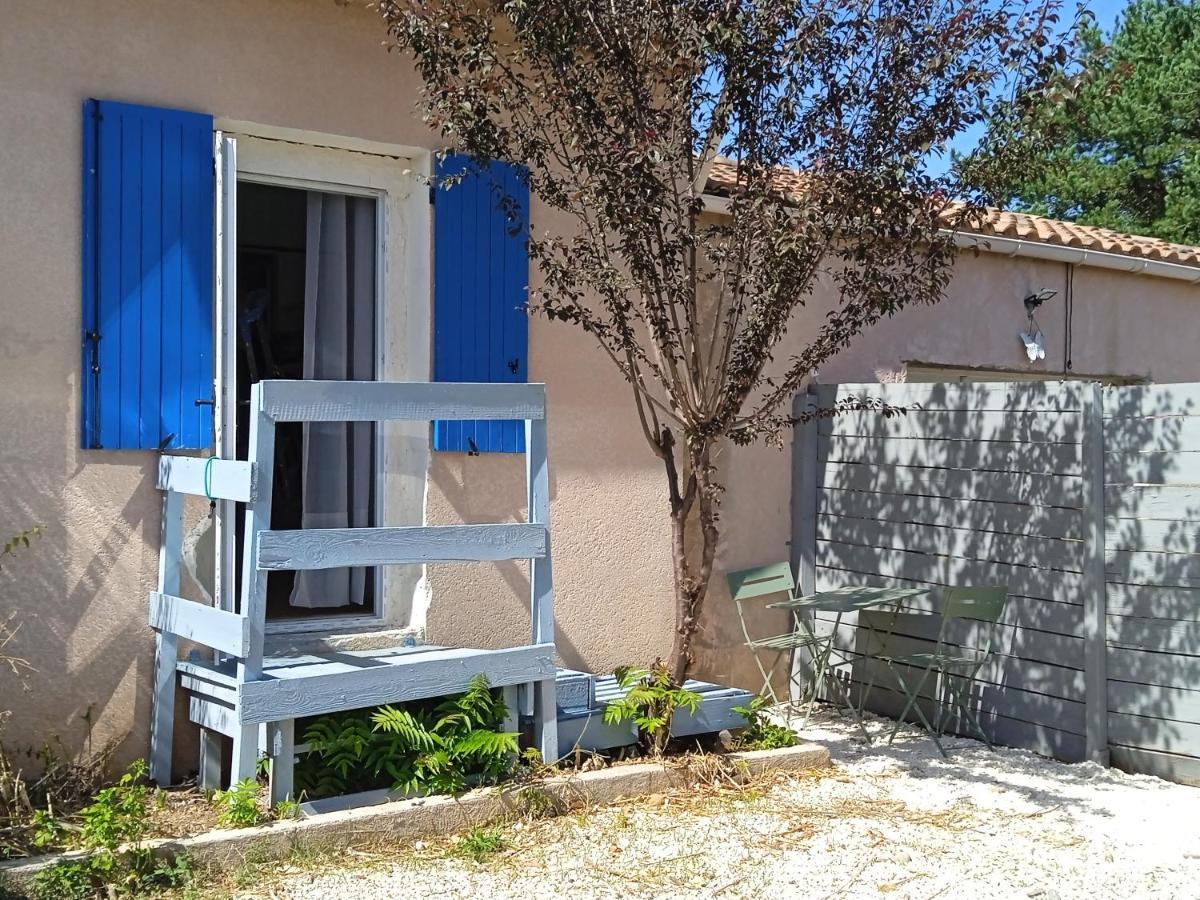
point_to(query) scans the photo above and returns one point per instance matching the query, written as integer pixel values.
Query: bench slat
(216, 628)
(331, 548)
(228, 479)
(399, 680)
(379, 401)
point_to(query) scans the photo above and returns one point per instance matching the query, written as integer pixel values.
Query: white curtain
(339, 345)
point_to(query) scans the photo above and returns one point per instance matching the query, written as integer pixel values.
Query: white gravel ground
(895, 822)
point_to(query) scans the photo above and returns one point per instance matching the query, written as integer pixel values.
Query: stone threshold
(436, 816)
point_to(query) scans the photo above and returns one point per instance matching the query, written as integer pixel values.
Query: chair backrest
(977, 604)
(983, 604)
(746, 584)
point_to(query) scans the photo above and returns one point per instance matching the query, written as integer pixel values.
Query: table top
(850, 598)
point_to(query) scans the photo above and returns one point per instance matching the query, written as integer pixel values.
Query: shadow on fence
(991, 484)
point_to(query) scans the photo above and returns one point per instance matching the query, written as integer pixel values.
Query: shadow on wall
(985, 484)
(464, 607)
(78, 592)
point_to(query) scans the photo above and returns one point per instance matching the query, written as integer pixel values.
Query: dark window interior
(271, 235)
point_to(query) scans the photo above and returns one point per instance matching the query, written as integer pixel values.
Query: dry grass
(180, 811)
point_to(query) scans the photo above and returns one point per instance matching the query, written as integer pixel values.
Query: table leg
(872, 637)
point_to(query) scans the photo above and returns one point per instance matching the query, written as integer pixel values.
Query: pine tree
(1123, 150)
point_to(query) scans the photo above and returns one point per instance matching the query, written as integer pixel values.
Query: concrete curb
(433, 816)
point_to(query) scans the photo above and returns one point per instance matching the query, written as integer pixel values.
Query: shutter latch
(92, 337)
(514, 365)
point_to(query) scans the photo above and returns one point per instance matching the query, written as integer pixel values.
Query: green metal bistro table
(839, 602)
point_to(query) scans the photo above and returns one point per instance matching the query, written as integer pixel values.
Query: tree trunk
(692, 554)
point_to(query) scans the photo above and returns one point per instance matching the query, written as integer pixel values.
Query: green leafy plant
(760, 732)
(650, 701)
(47, 830)
(426, 746)
(117, 815)
(111, 828)
(287, 809)
(238, 807)
(480, 843)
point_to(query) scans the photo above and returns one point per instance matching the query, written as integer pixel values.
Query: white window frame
(392, 176)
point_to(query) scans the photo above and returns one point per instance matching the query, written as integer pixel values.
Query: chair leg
(941, 697)
(210, 759)
(282, 745)
(162, 726)
(767, 688)
(963, 702)
(913, 706)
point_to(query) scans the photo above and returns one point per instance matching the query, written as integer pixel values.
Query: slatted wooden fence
(1152, 566)
(1084, 501)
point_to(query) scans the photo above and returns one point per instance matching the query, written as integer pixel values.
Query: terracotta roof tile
(1003, 223)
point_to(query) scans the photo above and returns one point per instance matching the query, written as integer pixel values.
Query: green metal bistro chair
(762, 581)
(953, 667)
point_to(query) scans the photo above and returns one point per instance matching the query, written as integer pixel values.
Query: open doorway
(307, 308)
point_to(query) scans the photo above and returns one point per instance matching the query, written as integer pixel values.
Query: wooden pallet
(255, 699)
(583, 726)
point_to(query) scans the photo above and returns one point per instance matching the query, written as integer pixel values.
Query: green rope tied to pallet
(208, 479)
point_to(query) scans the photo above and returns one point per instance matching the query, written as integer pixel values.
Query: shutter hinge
(432, 194)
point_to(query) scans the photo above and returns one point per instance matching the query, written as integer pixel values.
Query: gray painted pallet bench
(255, 699)
(582, 698)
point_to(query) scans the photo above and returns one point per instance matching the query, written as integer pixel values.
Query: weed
(651, 698)
(760, 732)
(287, 809)
(535, 802)
(249, 870)
(238, 807)
(118, 814)
(480, 843)
(111, 830)
(65, 881)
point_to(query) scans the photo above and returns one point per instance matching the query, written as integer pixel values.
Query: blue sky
(1106, 12)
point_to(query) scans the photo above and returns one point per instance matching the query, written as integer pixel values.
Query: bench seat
(316, 684)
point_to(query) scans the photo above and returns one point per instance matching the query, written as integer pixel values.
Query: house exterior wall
(80, 592)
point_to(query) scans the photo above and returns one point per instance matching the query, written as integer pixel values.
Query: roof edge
(1135, 264)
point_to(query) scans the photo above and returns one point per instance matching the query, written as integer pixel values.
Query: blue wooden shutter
(481, 282)
(148, 241)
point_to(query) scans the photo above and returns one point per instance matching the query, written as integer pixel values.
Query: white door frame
(403, 328)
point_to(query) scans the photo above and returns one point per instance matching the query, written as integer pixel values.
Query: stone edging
(433, 816)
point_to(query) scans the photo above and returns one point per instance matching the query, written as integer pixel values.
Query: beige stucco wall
(314, 65)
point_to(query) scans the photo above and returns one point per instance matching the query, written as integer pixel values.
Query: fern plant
(650, 701)
(427, 746)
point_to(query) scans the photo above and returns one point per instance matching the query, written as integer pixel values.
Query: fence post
(804, 516)
(1095, 633)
